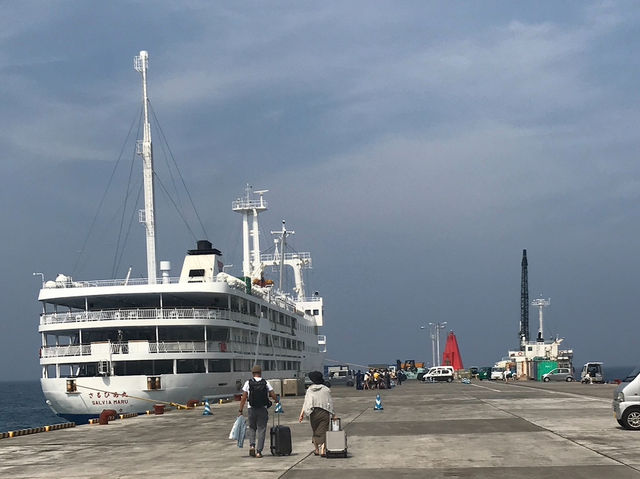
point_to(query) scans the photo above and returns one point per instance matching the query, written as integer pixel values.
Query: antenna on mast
(283, 244)
(144, 149)
(541, 304)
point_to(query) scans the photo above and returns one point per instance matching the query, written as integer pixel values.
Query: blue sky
(415, 147)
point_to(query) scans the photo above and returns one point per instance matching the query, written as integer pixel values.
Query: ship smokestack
(165, 268)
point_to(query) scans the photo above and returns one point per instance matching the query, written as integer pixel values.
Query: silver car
(626, 401)
(558, 374)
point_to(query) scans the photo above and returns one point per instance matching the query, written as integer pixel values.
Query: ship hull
(127, 394)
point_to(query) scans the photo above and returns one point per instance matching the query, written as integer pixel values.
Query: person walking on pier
(318, 405)
(367, 380)
(257, 390)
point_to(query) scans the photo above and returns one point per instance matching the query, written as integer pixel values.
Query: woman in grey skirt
(318, 405)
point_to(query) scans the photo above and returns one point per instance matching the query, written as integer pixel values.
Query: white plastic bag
(239, 430)
(238, 425)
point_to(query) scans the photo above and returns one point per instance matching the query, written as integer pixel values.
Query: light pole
(41, 277)
(438, 327)
(433, 343)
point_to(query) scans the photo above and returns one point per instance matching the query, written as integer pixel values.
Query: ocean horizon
(24, 406)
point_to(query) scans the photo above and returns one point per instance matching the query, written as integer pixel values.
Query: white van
(626, 401)
(439, 373)
(592, 373)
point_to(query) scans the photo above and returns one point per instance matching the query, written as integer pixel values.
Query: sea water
(614, 372)
(22, 406)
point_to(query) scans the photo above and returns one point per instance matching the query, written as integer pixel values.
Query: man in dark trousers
(258, 391)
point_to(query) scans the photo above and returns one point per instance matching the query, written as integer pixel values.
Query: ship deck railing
(283, 301)
(97, 283)
(144, 314)
(156, 314)
(271, 257)
(166, 347)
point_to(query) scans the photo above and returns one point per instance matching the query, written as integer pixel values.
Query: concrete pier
(478, 430)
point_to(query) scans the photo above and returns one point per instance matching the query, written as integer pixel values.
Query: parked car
(344, 377)
(626, 401)
(439, 373)
(484, 373)
(558, 374)
(497, 373)
(474, 372)
(308, 382)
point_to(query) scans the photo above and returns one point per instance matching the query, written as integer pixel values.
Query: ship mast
(524, 302)
(251, 207)
(283, 247)
(144, 149)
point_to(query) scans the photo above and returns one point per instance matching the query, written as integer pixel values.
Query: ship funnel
(204, 245)
(165, 268)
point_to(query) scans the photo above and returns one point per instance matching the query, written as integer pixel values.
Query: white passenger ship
(128, 344)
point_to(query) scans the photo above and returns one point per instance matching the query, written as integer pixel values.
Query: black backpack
(258, 393)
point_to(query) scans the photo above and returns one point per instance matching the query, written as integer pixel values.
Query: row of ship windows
(235, 304)
(171, 334)
(248, 307)
(157, 367)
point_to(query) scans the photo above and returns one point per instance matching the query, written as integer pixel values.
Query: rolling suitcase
(280, 438)
(336, 443)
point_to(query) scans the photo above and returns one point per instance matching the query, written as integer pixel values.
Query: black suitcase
(280, 439)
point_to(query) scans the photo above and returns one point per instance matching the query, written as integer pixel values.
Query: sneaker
(258, 454)
(252, 451)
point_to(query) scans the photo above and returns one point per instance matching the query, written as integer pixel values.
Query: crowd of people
(379, 379)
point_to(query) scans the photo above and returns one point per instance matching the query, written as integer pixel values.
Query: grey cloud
(415, 148)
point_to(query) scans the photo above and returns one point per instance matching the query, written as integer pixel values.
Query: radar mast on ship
(144, 149)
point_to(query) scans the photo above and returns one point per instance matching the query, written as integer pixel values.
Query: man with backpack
(258, 391)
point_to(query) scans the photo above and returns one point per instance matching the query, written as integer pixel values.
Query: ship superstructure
(526, 360)
(126, 344)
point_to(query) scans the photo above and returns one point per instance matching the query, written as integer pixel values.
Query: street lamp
(41, 277)
(433, 343)
(438, 327)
